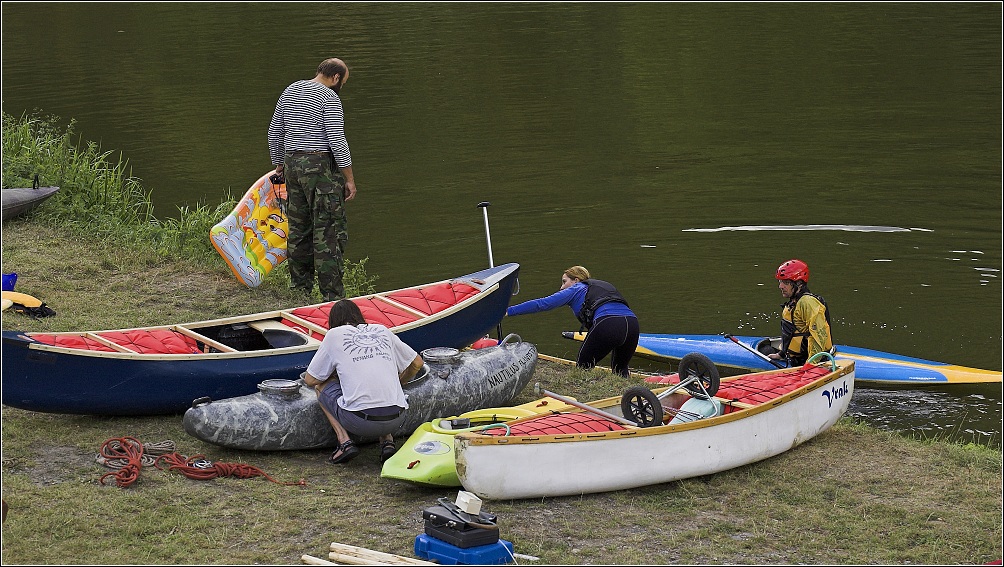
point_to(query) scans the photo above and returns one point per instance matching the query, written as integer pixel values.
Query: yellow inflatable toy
(27, 304)
(252, 238)
(20, 298)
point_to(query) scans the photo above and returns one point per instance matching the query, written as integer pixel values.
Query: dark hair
(345, 312)
(332, 67)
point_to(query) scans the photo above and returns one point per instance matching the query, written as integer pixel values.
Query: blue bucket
(8, 281)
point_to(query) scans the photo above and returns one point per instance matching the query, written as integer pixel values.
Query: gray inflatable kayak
(19, 200)
(285, 414)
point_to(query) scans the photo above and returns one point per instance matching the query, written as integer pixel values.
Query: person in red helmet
(805, 318)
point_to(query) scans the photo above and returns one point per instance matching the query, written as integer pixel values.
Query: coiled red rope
(128, 453)
(197, 467)
(125, 449)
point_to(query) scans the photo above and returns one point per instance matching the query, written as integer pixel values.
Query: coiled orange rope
(197, 467)
(127, 450)
(128, 454)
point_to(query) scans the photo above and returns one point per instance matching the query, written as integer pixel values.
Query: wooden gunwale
(189, 329)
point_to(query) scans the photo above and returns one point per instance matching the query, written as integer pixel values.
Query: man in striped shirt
(306, 141)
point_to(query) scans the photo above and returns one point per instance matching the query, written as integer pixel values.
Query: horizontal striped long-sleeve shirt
(308, 118)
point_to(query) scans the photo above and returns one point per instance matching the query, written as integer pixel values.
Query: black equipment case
(459, 528)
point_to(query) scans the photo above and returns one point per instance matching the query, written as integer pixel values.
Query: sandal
(387, 450)
(345, 453)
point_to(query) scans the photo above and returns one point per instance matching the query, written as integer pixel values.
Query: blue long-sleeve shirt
(573, 296)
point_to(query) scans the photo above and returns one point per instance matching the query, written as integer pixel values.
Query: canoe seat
(696, 408)
(281, 335)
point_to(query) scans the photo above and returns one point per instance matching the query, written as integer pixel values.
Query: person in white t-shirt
(358, 372)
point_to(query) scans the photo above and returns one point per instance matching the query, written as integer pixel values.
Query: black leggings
(616, 335)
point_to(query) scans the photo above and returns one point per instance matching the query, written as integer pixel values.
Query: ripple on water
(965, 415)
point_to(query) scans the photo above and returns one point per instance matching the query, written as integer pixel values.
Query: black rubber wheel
(642, 406)
(697, 364)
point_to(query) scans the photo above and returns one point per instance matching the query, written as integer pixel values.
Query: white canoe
(762, 417)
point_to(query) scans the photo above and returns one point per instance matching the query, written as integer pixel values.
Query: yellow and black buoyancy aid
(795, 344)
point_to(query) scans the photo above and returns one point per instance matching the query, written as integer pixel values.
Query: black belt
(312, 152)
(369, 417)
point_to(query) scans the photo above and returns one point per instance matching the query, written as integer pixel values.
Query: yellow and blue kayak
(872, 366)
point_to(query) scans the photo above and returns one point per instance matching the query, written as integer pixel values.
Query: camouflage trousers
(318, 228)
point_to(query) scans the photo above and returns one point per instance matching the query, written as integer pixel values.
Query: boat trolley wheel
(699, 365)
(642, 406)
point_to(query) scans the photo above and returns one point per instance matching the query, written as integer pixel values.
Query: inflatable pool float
(252, 238)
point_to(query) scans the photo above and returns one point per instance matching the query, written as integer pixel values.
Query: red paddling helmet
(794, 270)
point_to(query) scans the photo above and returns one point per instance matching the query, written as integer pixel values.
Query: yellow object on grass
(252, 238)
(20, 298)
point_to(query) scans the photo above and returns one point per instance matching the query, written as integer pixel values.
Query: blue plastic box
(9, 280)
(428, 547)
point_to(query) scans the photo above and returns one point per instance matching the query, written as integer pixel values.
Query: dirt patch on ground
(57, 464)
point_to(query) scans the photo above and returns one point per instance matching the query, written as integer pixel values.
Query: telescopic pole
(488, 235)
(483, 205)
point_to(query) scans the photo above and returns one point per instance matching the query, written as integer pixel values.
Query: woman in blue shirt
(612, 326)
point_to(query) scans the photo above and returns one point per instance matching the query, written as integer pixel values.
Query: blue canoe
(162, 370)
(872, 366)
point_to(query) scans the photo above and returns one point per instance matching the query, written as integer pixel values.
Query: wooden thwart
(288, 315)
(205, 340)
(115, 346)
(401, 306)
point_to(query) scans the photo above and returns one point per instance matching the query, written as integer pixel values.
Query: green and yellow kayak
(426, 458)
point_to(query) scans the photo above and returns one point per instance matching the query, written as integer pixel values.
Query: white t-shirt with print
(369, 360)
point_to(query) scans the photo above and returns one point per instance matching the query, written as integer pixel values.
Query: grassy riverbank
(853, 495)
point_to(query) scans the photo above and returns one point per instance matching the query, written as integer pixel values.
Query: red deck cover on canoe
(434, 298)
(143, 341)
(373, 310)
(427, 300)
(764, 389)
(558, 423)
(71, 341)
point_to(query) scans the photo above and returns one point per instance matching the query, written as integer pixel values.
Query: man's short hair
(331, 67)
